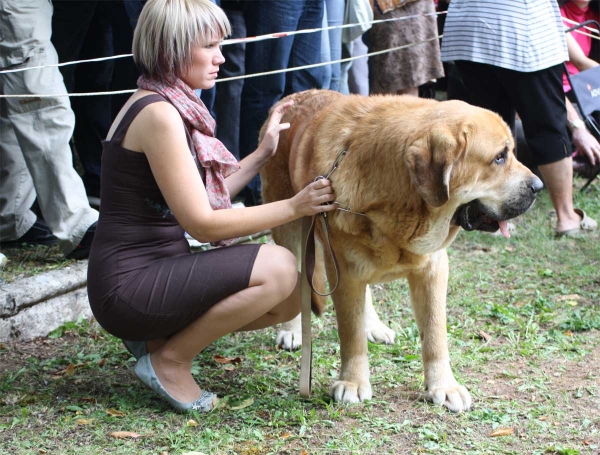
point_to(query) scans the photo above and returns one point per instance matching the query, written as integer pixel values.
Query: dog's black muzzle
(476, 216)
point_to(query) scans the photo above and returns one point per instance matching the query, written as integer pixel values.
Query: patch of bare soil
(550, 402)
(14, 355)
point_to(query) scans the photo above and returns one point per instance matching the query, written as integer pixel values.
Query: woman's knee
(276, 268)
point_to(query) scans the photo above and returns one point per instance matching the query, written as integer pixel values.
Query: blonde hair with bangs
(168, 30)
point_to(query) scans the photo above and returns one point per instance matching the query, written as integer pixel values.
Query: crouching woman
(163, 174)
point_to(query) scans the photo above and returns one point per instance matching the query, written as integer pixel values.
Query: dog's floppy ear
(429, 161)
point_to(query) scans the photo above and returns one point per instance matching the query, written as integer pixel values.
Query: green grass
(535, 296)
(29, 260)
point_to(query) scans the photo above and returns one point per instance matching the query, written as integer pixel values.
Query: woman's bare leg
(558, 178)
(283, 312)
(265, 302)
(155, 345)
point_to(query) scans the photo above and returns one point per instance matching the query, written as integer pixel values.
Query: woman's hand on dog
(313, 198)
(268, 145)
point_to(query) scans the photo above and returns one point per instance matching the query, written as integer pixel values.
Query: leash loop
(310, 256)
(308, 270)
(310, 239)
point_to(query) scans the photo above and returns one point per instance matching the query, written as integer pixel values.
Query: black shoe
(38, 234)
(82, 250)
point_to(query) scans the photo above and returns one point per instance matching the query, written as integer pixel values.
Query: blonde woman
(164, 173)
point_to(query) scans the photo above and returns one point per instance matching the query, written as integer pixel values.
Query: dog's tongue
(504, 229)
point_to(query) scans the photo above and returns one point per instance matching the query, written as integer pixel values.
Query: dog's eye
(500, 158)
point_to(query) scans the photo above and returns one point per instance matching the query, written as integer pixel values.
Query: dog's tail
(318, 301)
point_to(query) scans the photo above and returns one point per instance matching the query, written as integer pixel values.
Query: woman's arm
(251, 165)
(165, 145)
(582, 138)
(576, 55)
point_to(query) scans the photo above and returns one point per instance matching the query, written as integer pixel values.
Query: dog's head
(466, 162)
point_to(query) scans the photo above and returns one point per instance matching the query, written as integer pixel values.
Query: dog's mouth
(475, 216)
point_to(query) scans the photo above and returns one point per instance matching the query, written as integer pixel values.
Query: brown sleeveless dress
(143, 281)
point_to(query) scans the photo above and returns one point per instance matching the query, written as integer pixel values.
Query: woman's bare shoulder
(158, 121)
(160, 113)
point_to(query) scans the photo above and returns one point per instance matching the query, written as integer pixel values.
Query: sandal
(145, 372)
(586, 225)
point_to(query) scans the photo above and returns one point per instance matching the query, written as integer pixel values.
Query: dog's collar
(334, 167)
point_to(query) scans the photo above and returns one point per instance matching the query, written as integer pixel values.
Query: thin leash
(308, 270)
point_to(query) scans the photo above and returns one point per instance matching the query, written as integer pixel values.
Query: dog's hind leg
(377, 331)
(289, 336)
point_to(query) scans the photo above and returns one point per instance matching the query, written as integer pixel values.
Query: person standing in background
(583, 54)
(510, 57)
(260, 93)
(401, 72)
(35, 159)
(331, 43)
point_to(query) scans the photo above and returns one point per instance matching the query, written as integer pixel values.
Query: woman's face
(581, 3)
(206, 60)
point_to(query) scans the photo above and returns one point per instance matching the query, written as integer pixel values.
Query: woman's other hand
(310, 200)
(587, 144)
(268, 145)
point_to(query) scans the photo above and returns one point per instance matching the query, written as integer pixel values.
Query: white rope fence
(245, 76)
(254, 39)
(248, 39)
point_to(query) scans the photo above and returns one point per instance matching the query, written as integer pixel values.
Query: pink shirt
(571, 11)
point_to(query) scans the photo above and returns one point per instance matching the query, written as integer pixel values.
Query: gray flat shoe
(145, 372)
(137, 348)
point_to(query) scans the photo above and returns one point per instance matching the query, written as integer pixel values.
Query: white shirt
(519, 35)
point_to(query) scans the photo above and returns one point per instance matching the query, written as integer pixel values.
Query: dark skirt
(168, 295)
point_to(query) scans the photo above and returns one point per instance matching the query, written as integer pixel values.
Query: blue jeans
(229, 94)
(82, 30)
(261, 93)
(331, 46)
(208, 96)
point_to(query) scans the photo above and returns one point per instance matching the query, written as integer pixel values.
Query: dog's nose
(536, 185)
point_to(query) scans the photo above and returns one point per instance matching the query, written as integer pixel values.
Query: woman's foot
(177, 388)
(581, 225)
(175, 377)
(568, 222)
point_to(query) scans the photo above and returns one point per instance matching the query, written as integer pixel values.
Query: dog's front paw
(351, 392)
(380, 333)
(452, 395)
(289, 340)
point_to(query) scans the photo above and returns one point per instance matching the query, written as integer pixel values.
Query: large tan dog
(419, 170)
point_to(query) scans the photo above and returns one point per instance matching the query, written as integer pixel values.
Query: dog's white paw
(453, 395)
(290, 340)
(377, 331)
(351, 392)
(380, 333)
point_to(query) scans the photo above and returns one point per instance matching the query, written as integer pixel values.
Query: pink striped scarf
(217, 161)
